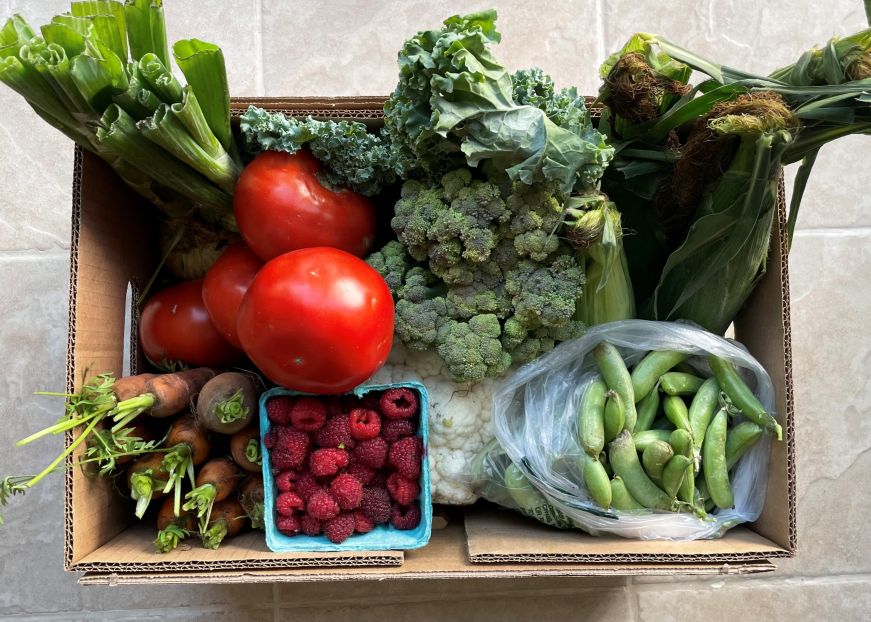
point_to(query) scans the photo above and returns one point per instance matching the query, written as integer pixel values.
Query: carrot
(146, 477)
(245, 449)
(215, 481)
(131, 386)
(164, 395)
(251, 496)
(172, 529)
(227, 402)
(189, 446)
(227, 520)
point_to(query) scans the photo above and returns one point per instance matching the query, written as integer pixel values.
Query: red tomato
(281, 206)
(225, 285)
(174, 326)
(317, 320)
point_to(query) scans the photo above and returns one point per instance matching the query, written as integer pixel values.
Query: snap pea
(643, 439)
(597, 482)
(617, 378)
(673, 474)
(655, 457)
(591, 419)
(702, 409)
(620, 497)
(676, 411)
(702, 493)
(687, 490)
(714, 462)
(648, 370)
(603, 458)
(646, 409)
(739, 439)
(624, 461)
(682, 443)
(662, 423)
(741, 396)
(679, 383)
(521, 489)
(614, 417)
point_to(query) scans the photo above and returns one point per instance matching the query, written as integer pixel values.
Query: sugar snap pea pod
(597, 482)
(646, 409)
(662, 423)
(714, 462)
(655, 457)
(741, 396)
(648, 370)
(521, 489)
(682, 443)
(614, 416)
(687, 490)
(603, 458)
(702, 409)
(676, 411)
(620, 497)
(739, 439)
(679, 383)
(702, 493)
(674, 473)
(643, 439)
(626, 465)
(591, 419)
(617, 378)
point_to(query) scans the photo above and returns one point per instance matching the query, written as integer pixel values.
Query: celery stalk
(159, 79)
(146, 30)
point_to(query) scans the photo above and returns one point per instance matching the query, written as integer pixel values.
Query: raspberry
(336, 432)
(372, 401)
(278, 409)
(404, 456)
(338, 529)
(288, 525)
(308, 414)
(403, 490)
(398, 403)
(364, 424)
(306, 485)
(285, 481)
(271, 438)
(361, 472)
(288, 503)
(371, 453)
(347, 490)
(310, 525)
(379, 480)
(322, 505)
(376, 505)
(327, 462)
(290, 449)
(405, 516)
(334, 406)
(362, 523)
(395, 429)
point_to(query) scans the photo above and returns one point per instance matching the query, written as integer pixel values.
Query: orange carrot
(172, 529)
(164, 395)
(245, 448)
(251, 496)
(227, 520)
(146, 478)
(215, 481)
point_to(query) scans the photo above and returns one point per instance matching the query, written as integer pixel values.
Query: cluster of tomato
(296, 298)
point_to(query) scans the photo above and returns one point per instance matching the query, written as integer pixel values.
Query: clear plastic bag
(534, 419)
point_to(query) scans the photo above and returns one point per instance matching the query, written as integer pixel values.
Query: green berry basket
(382, 537)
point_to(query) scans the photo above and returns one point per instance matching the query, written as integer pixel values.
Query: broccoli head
(391, 262)
(472, 350)
(545, 294)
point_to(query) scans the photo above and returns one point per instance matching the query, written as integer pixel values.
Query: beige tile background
(308, 47)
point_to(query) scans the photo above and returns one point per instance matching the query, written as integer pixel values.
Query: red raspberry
(379, 480)
(306, 485)
(361, 472)
(288, 503)
(371, 453)
(398, 403)
(376, 505)
(372, 401)
(308, 414)
(328, 462)
(340, 528)
(362, 523)
(405, 516)
(395, 429)
(278, 409)
(291, 448)
(364, 424)
(403, 490)
(288, 525)
(285, 481)
(334, 406)
(322, 505)
(271, 438)
(347, 490)
(310, 525)
(404, 456)
(336, 432)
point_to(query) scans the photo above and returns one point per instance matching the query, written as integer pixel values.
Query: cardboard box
(112, 247)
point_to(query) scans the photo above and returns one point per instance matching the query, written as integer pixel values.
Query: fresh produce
(174, 328)
(617, 377)
(251, 497)
(225, 285)
(188, 446)
(741, 396)
(216, 481)
(226, 519)
(281, 206)
(245, 449)
(332, 489)
(227, 402)
(146, 479)
(158, 395)
(317, 320)
(714, 462)
(172, 528)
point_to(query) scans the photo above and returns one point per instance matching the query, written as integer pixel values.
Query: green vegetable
(714, 462)
(702, 409)
(597, 482)
(676, 411)
(647, 409)
(654, 458)
(591, 422)
(678, 467)
(610, 363)
(739, 440)
(614, 417)
(741, 396)
(647, 372)
(644, 438)
(624, 461)
(679, 383)
(620, 497)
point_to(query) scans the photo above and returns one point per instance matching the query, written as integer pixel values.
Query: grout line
(747, 581)
(259, 81)
(601, 48)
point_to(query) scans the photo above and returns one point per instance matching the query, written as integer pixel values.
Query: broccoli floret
(545, 295)
(537, 214)
(472, 350)
(391, 262)
(418, 324)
